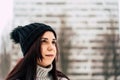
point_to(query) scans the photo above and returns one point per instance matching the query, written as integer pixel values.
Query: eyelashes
(43, 41)
(54, 42)
(46, 41)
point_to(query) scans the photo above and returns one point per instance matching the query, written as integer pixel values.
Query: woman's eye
(47, 42)
(53, 42)
(43, 41)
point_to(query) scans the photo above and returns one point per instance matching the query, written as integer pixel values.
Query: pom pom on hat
(14, 34)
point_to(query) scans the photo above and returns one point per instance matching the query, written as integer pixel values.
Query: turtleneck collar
(44, 72)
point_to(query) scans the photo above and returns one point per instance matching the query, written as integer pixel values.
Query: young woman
(38, 43)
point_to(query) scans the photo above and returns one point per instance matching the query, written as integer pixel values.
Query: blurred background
(88, 35)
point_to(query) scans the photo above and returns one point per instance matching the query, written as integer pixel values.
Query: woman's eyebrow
(55, 39)
(47, 38)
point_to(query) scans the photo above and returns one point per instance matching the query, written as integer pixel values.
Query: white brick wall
(89, 19)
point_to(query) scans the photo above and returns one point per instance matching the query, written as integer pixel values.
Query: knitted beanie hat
(26, 35)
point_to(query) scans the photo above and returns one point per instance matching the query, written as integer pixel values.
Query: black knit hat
(26, 35)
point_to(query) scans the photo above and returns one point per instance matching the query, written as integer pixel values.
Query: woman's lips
(49, 55)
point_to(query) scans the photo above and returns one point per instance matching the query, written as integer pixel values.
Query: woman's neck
(43, 71)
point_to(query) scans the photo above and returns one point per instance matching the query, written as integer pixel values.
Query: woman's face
(48, 49)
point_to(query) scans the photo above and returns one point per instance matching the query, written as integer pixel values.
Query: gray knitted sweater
(43, 73)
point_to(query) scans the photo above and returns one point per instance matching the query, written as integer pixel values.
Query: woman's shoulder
(62, 76)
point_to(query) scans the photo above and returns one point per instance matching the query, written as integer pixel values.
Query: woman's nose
(50, 46)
